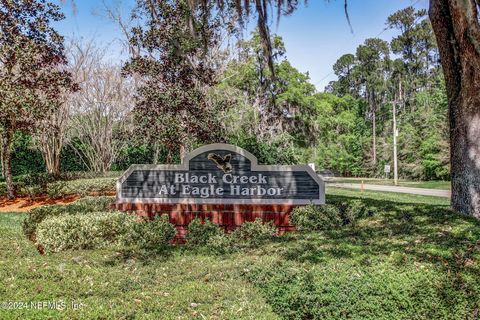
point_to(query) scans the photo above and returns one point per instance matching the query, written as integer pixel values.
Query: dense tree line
(184, 88)
(405, 72)
(347, 130)
(456, 25)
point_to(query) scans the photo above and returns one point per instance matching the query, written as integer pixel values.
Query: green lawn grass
(411, 259)
(388, 196)
(172, 285)
(402, 183)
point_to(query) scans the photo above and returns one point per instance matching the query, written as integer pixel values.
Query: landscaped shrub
(88, 231)
(81, 206)
(329, 216)
(40, 179)
(97, 230)
(351, 211)
(253, 234)
(30, 191)
(200, 233)
(33, 184)
(149, 234)
(316, 218)
(75, 175)
(83, 187)
(221, 243)
(249, 235)
(366, 207)
(56, 190)
(66, 183)
(18, 186)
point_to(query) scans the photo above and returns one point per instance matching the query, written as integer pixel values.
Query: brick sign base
(227, 216)
(221, 183)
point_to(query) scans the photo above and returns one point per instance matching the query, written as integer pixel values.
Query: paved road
(378, 187)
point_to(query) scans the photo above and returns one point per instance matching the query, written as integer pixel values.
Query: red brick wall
(227, 216)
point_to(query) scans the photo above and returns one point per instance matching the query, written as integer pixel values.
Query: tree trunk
(457, 29)
(54, 167)
(7, 162)
(51, 154)
(183, 151)
(168, 159)
(156, 153)
(1, 160)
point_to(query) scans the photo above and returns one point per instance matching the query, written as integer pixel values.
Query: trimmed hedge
(249, 235)
(68, 183)
(328, 216)
(150, 234)
(81, 206)
(200, 233)
(97, 230)
(316, 218)
(253, 234)
(88, 231)
(83, 187)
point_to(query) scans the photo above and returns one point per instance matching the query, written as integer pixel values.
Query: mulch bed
(22, 204)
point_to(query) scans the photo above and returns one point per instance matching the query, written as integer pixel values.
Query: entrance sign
(221, 174)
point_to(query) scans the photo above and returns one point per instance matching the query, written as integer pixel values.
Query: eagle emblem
(223, 163)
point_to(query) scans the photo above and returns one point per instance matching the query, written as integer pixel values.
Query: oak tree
(171, 107)
(457, 28)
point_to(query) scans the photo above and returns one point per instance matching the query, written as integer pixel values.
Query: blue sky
(315, 36)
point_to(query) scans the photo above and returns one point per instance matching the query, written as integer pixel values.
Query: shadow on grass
(406, 236)
(422, 232)
(425, 233)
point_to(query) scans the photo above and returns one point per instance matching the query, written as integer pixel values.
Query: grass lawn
(171, 285)
(402, 183)
(401, 198)
(411, 259)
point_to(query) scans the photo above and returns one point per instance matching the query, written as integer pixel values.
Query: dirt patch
(22, 204)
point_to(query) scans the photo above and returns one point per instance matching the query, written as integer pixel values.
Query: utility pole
(395, 134)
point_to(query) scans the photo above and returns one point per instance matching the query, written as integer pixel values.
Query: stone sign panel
(221, 174)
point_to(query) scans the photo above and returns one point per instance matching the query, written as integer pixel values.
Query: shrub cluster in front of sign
(88, 224)
(249, 235)
(329, 216)
(79, 207)
(88, 231)
(98, 230)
